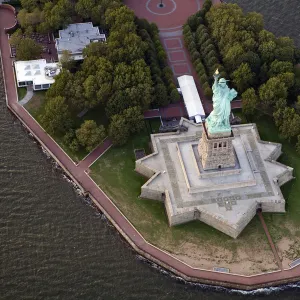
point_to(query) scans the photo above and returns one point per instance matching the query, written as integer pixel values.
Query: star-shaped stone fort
(218, 177)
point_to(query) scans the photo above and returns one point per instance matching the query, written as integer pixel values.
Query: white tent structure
(191, 98)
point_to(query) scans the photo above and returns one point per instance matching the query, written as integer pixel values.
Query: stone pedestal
(216, 151)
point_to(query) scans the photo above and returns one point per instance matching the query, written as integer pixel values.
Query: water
(55, 245)
(282, 17)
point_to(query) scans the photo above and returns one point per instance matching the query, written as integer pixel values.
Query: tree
(287, 78)
(297, 105)
(85, 8)
(161, 95)
(243, 77)
(56, 15)
(298, 144)
(267, 51)
(16, 37)
(249, 101)
(27, 19)
(67, 61)
(174, 96)
(89, 135)
(254, 22)
(118, 130)
(117, 18)
(265, 36)
(95, 49)
(278, 67)
(252, 59)
(290, 124)
(56, 118)
(231, 57)
(134, 119)
(28, 49)
(272, 91)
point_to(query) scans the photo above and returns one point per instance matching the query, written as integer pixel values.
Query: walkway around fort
(79, 175)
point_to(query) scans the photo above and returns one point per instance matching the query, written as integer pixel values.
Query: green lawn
(114, 173)
(21, 92)
(284, 224)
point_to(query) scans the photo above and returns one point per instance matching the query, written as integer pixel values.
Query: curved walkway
(79, 175)
(28, 96)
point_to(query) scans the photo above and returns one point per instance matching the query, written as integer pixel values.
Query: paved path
(28, 96)
(95, 154)
(79, 175)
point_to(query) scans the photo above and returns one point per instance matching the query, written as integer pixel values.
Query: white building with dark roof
(37, 73)
(76, 37)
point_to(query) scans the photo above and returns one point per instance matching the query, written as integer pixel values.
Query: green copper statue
(218, 120)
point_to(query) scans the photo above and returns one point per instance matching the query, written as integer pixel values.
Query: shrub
(174, 96)
(195, 55)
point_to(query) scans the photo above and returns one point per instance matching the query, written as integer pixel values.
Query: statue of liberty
(218, 120)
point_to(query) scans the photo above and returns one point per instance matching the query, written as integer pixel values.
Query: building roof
(191, 97)
(77, 36)
(38, 71)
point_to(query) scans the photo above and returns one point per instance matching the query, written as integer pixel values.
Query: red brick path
(106, 205)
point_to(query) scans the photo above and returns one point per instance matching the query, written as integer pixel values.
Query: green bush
(195, 55)
(174, 96)
(203, 78)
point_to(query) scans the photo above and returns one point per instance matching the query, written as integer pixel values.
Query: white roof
(190, 96)
(35, 70)
(77, 36)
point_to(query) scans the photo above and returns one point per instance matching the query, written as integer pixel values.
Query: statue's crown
(222, 80)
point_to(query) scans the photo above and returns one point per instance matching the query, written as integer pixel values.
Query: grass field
(114, 172)
(21, 92)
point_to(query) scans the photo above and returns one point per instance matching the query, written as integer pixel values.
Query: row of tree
(261, 67)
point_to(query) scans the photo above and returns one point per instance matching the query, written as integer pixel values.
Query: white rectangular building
(37, 73)
(76, 37)
(191, 98)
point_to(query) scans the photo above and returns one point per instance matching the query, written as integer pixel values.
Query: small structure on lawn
(76, 37)
(38, 73)
(191, 98)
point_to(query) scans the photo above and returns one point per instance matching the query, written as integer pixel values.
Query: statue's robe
(218, 119)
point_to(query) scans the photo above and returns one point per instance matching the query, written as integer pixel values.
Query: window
(220, 145)
(45, 86)
(37, 87)
(215, 145)
(22, 83)
(224, 144)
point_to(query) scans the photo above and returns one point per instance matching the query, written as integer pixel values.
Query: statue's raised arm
(218, 120)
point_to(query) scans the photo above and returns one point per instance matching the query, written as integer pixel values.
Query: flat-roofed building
(37, 73)
(76, 37)
(191, 98)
